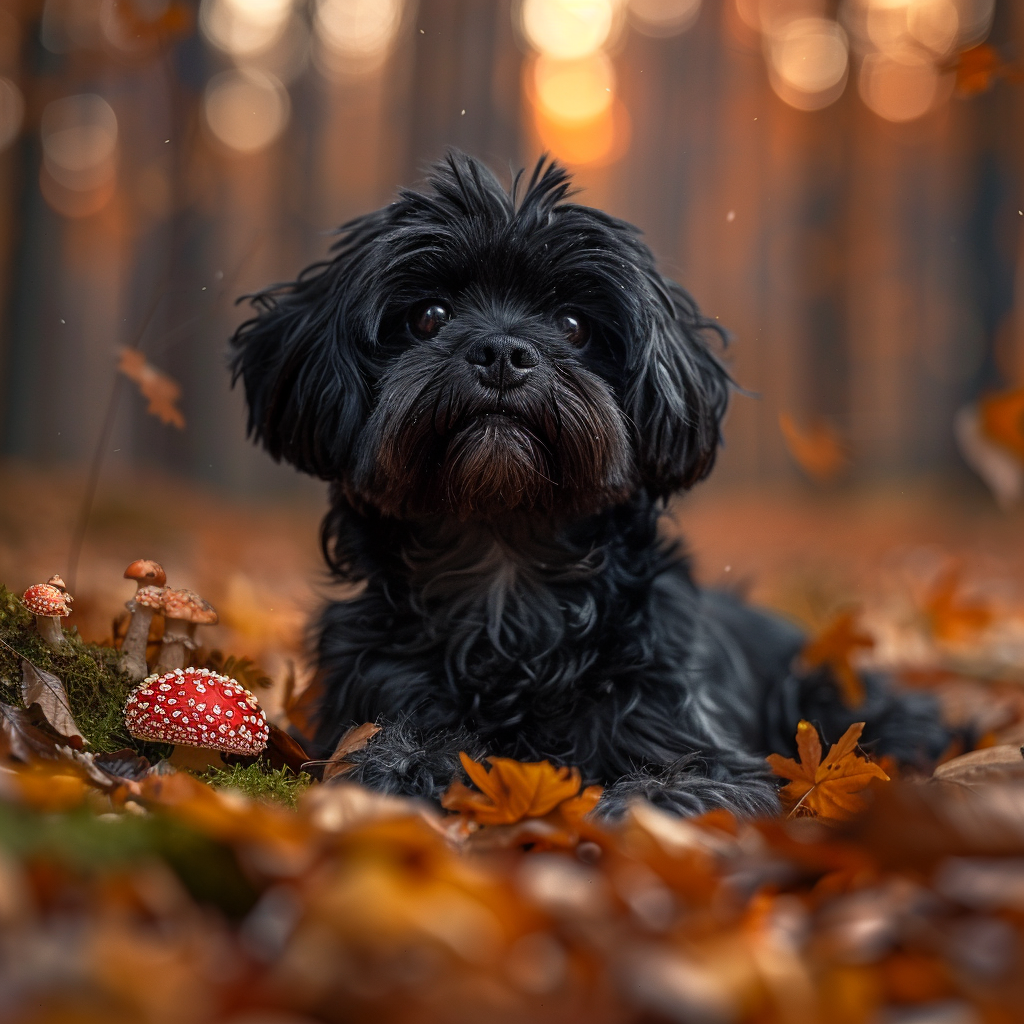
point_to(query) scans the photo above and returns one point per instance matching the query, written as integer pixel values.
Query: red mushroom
(183, 610)
(146, 602)
(49, 605)
(197, 709)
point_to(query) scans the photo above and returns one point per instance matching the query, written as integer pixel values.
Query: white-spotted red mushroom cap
(188, 606)
(145, 570)
(42, 599)
(195, 707)
(150, 597)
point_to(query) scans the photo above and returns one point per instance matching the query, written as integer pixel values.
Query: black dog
(504, 392)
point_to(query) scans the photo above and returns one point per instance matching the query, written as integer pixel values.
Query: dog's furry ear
(679, 394)
(303, 358)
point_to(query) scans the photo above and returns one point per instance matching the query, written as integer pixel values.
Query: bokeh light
(574, 91)
(934, 24)
(243, 27)
(79, 135)
(357, 35)
(808, 61)
(12, 112)
(898, 90)
(600, 141)
(663, 17)
(568, 29)
(246, 110)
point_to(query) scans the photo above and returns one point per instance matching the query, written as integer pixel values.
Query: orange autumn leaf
(978, 68)
(818, 450)
(834, 647)
(950, 616)
(829, 788)
(162, 391)
(1001, 418)
(512, 790)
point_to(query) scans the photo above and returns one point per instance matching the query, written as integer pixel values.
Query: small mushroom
(49, 605)
(56, 581)
(147, 601)
(200, 712)
(183, 611)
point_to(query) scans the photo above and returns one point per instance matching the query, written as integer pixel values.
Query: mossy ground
(280, 785)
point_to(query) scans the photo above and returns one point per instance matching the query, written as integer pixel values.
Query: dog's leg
(403, 761)
(695, 784)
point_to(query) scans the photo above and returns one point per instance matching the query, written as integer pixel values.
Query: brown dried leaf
(47, 691)
(161, 390)
(22, 740)
(818, 449)
(355, 739)
(835, 646)
(992, 764)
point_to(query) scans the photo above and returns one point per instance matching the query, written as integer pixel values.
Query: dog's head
(474, 352)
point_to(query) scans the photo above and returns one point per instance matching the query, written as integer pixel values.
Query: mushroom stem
(133, 649)
(50, 631)
(173, 654)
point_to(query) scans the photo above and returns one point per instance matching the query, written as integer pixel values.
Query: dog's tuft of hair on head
(340, 384)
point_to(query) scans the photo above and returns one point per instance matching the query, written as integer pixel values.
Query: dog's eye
(427, 321)
(575, 329)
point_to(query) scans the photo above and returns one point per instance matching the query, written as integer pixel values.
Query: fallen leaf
(950, 616)
(511, 790)
(161, 391)
(1001, 417)
(47, 691)
(828, 788)
(22, 739)
(125, 764)
(355, 739)
(1002, 763)
(818, 450)
(834, 647)
(1002, 471)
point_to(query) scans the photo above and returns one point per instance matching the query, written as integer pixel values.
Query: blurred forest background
(840, 182)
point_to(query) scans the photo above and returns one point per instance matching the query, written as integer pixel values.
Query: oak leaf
(512, 790)
(818, 449)
(834, 647)
(161, 390)
(826, 788)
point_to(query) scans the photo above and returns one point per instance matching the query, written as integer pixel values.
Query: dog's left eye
(575, 329)
(427, 321)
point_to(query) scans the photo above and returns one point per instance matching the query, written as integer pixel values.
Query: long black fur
(497, 489)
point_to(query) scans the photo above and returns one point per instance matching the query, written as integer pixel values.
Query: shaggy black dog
(504, 392)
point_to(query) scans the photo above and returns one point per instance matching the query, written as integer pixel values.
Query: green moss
(96, 687)
(280, 785)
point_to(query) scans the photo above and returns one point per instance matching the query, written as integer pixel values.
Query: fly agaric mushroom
(56, 581)
(147, 601)
(199, 711)
(183, 611)
(49, 605)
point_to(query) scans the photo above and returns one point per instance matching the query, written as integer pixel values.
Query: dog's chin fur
(434, 447)
(517, 599)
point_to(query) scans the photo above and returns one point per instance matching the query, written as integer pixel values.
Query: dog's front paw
(403, 761)
(685, 788)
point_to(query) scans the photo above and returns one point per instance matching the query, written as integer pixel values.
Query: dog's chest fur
(542, 647)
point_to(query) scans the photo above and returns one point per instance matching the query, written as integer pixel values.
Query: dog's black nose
(503, 362)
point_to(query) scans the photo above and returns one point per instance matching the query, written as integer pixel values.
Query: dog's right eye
(428, 320)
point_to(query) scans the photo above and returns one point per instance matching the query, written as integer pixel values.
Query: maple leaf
(950, 616)
(161, 391)
(511, 790)
(834, 646)
(818, 450)
(1001, 418)
(827, 788)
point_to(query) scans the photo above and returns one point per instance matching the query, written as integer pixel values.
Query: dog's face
(471, 353)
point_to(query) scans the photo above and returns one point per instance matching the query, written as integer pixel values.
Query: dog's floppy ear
(303, 357)
(678, 394)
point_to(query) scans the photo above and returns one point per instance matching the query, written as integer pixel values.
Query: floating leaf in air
(162, 391)
(951, 616)
(47, 691)
(826, 788)
(835, 647)
(818, 449)
(980, 67)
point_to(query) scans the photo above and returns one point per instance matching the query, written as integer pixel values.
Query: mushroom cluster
(197, 708)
